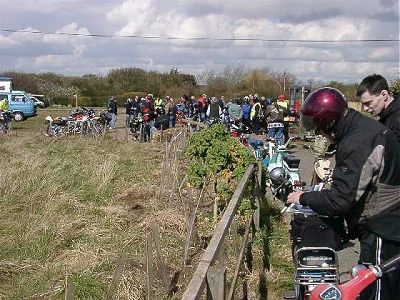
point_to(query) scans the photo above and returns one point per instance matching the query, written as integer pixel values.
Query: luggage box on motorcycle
(292, 161)
(314, 231)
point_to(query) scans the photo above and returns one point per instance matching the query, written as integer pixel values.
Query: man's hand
(294, 197)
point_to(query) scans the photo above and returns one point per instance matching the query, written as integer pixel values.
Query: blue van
(20, 105)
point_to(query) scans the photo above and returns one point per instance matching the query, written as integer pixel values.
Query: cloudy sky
(237, 32)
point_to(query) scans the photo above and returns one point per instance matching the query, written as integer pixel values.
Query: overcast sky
(332, 20)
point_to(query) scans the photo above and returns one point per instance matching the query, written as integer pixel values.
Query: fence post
(216, 278)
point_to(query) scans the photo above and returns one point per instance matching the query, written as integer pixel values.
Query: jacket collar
(344, 123)
(391, 109)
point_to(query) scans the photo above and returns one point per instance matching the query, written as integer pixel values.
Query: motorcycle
(137, 129)
(55, 127)
(362, 278)
(5, 122)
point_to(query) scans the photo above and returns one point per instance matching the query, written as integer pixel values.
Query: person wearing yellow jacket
(255, 115)
(4, 104)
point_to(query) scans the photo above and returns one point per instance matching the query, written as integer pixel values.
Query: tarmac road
(348, 257)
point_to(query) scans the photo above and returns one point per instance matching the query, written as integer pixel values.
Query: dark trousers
(256, 126)
(376, 250)
(286, 130)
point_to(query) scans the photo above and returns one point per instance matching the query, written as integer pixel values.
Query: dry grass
(72, 206)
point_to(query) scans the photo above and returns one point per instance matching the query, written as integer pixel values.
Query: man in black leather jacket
(377, 100)
(365, 183)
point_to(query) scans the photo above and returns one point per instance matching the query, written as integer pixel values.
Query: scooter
(362, 278)
(283, 170)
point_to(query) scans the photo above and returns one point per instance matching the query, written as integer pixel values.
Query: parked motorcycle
(137, 129)
(55, 127)
(283, 170)
(315, 242)
(5, 122)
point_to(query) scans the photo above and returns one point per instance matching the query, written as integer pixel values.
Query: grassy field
(70, 207)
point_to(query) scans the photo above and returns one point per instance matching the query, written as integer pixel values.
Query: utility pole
(76, 100)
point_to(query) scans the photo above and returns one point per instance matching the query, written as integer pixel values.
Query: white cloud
(260, 19)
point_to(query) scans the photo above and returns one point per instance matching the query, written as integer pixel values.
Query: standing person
(377, 100)
(235, 110)
(142, 103)
(221, 102)
(274, 116)
(4, 107)
(112, 110)
(284, 104)
(4, 104)
(170, 110)
(135, 107)
(128, 112)
(365, 183)
(214, 110)
(159, 105)
(255, 115)
(246, 108)
(202, 107)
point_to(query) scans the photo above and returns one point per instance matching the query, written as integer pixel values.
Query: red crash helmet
(281, 97)
(323, 109)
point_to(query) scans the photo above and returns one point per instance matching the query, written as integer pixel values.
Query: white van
(37, 102)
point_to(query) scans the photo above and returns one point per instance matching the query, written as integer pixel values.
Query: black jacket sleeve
(341, 197)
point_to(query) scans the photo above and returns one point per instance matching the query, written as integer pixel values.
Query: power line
(151, 37)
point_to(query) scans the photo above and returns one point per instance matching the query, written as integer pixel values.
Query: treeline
(94, 90)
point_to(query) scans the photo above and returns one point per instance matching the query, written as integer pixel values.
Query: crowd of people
(256, 113)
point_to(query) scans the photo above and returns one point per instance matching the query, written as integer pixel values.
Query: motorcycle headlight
(331, 293)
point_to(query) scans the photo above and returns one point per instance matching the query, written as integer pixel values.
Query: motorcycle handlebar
(391, 263)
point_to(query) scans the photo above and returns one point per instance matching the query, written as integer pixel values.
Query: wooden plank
(197, 283)
(116, 277)
(149, 266)
(240, 260)
(234, 234)
(160, 261)
(70, 291)
(257, 195)
(190, 228)
(216, 278)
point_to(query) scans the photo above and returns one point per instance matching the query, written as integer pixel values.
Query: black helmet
(277, 175)
(323, 109)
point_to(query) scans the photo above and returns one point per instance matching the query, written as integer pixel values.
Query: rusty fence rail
(210, 276)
